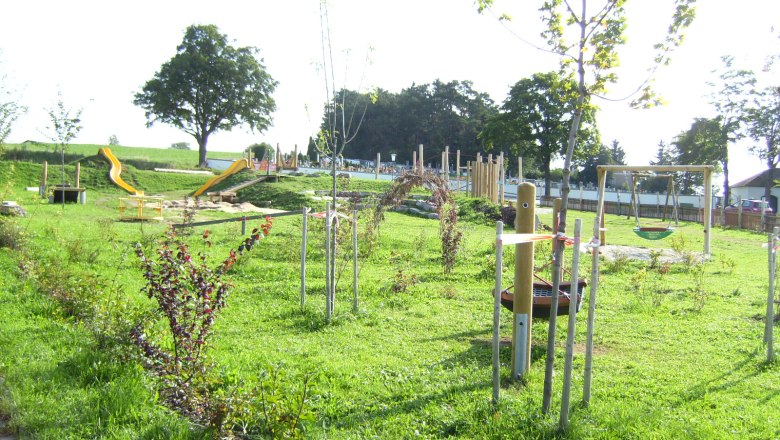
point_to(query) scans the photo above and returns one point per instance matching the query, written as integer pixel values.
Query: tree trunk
(558, 245)
(202, 141)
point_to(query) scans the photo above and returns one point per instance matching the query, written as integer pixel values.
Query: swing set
(654, 232)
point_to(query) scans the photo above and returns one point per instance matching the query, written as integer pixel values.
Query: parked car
(751, 206)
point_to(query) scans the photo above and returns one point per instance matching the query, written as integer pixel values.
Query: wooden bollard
(524, 274)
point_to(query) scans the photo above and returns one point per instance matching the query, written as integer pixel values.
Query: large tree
(612, 155)
(208, 86)
(764, 129)
(730, 100)
(436, 115)
(702, 144)
(535, 120)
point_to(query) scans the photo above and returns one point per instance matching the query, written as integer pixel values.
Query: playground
(677, 343)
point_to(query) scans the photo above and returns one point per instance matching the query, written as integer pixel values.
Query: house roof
(760, 180)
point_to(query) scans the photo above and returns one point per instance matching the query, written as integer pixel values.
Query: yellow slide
(116, 170)
(235, 167)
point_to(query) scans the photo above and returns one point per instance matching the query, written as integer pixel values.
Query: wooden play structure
(62, 193)
(290, 164)
(484, 177)
(141, 207)
(707, 170)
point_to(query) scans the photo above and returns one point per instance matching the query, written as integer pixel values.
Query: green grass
(139, 157)
(412, 364)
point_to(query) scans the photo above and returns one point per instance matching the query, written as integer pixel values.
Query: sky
(98, 54)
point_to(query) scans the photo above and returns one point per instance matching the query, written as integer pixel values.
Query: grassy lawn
(678, 352)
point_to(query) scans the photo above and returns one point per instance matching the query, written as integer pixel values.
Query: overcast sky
(99, 54)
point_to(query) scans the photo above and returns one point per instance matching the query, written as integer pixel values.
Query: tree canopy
(208, 86)
(436, 115)
(535, 119)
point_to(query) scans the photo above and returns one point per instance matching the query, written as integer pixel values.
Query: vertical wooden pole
(422, 161)
(739, 212)
(469, 179)
(707, 211)
(770, 301)
(414, 161)
(763, 215)
(446, 164)
(303, 255)
(519, 170)
(497, 311)
(376, 167)
(44, 178)
(328, 263)
(295, 158)
(457, 167)
(444, 174)
(355, 303)
(602, 175)
(502, 177)
(524, 273)
(489, 181)
(594, 286)
(78, 175)
(569, 360)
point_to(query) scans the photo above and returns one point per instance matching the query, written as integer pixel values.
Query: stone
(12, 209)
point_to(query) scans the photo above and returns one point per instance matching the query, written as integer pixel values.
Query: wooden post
(422, 161)
(457, 167)
(444, 174)
(489, 181)
(739, 212)
(524, 274)
(497, 311)
(519, 170)
(502, 177)
(707, 211)
(328, 280)
(770, 301)
(602, 178)
(294, 161)
(446, 164)
(477, 165)
(303, 255)
(78, 175)
(44, 178)
(355, 303)
(569, 360)
(557, 202)
(763, 215)
(414, 160)
(376, 167)
(594, 286)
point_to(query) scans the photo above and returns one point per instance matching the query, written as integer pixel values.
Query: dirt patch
(612, 252)
(218, 206)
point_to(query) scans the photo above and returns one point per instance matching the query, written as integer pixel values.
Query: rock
(12, 209)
